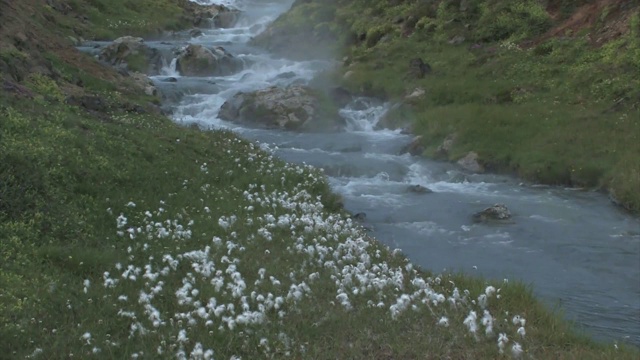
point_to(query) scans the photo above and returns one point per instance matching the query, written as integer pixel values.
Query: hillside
(545, 90)
(125, 235)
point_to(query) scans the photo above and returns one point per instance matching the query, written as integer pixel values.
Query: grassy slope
(553, 100)
(68, 173)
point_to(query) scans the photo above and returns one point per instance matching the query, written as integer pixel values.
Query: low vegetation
(124, 235)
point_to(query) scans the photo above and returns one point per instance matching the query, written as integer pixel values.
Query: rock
(456, 40)
(418, 68)
(419, 189)
(348, 74)
(286, 75)
(340, 96)
(446, 146)
(196, 60)
(414, 148)
(416, 93)
(497, 212)
(17, 89)
(470, 162)
(73, 40)
(359, 216)
(195, 33)
(170, 79)
(132, 54)
(144, 83)
(206, 15)
(226, 19)
(292, 108)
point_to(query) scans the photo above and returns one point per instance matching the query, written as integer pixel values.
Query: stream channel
(575, 248)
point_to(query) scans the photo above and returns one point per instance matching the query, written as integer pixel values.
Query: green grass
(108, 19)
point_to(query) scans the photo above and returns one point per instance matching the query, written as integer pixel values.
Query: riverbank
(125, 235)
(549, 94)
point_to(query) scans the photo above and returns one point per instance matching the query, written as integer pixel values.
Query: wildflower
(502, 342)
(470, 322)
(444, 321)
(516, 350)
(487, 321)
(521, 331)
(86, 337)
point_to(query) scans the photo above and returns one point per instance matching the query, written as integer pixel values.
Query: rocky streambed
(574, 247)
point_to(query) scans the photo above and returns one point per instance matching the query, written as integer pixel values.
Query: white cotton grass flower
(487, 321)
(516, 350)
(502, 342)
(86, 337)
(444, 321)
(518, 320)
(521, 331)
(470, 322)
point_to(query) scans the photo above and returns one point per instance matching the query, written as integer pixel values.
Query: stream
(575, 248)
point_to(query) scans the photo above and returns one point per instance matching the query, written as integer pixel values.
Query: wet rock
(444, 149)
(359, 216)
(418, 68)
(414, 148)
(286, 75)
(170, 79)
(292, 108)
(497, 212)
(340, 96)
(227, 18)
(470, 163)
(143, 82)
(195, 33)
(196, 60)
(419, 189)
(132, 54)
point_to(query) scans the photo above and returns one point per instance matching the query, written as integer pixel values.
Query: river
(576, 249)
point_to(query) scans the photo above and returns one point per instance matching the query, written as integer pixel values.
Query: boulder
(470, 162)
(226, 18)
(415, 147)
(292, 108)
(196, 60)
(419, 189)
(132, 54)
(143, 82)
(497, 212)
(418, 68)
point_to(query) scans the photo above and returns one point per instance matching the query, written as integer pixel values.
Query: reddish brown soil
(603, 20)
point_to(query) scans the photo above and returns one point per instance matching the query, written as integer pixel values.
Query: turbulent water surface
(575, 248)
